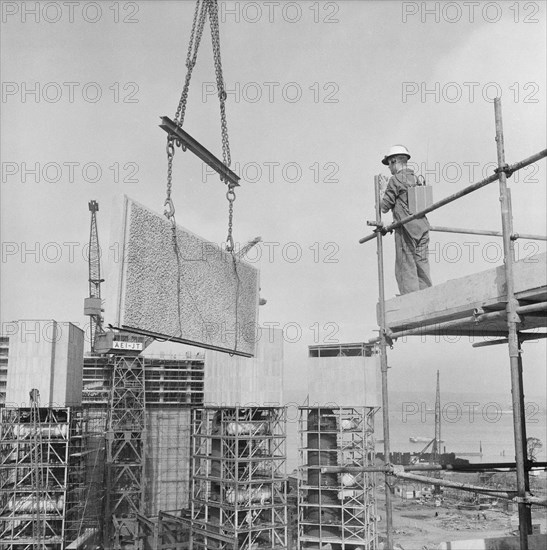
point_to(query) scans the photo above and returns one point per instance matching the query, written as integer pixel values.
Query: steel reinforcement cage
(51, 513)
(336, 508)
(239, 484)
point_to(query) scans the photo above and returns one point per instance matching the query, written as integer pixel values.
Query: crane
(93, 304)
(104, 341)
(125, 424)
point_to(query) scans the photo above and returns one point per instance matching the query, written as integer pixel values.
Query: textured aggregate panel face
(185, 289)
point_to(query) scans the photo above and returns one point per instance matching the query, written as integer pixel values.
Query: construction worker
(411, 239)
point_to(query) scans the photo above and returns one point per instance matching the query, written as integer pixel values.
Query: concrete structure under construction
(46, 458)
(239, 486)
(336, 429)
(239, 483)
(80, 451)
(173, 384)
(45, 355)
(45, 437)
(336, 508)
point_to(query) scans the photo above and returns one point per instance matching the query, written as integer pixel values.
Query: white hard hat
(395, 150)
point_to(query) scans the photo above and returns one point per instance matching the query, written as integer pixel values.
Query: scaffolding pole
(486, 233)
(428, 467)
(383, 362)
(512, 322)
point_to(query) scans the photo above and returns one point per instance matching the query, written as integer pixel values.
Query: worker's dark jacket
(396, 199)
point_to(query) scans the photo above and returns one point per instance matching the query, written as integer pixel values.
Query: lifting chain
(226, 154)
(170, 211)
(215, 34)
(231, 196)
(196, 33)
(203, 7)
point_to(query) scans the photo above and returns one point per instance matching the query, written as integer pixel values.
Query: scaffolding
(239, 486)
(85, 482)
(336, 508)
(512, 336)
(39, 460)
(125, 460)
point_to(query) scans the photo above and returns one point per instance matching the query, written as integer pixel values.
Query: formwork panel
(239, 485)
(174, 284)
(333, 508)
(343, 373)
(241, 381)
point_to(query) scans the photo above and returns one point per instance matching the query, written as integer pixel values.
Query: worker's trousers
(411, 261)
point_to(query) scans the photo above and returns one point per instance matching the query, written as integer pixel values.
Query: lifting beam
(186, 141)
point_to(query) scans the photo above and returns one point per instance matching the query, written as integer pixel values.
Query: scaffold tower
(336, 508)
(239, 485)
(125, 459)
(37, 454)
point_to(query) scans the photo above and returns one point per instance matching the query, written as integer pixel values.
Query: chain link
(231, 196)
(215, 35)
(196, 33)
(226, 154)
(170, 149)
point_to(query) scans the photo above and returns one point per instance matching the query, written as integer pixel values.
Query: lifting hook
(170, 211)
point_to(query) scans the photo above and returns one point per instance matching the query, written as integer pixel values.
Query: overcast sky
(317, 93)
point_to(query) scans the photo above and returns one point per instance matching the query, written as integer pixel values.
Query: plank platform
(448, 308)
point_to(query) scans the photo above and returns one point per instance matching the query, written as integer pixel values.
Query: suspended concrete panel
(170, 283)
